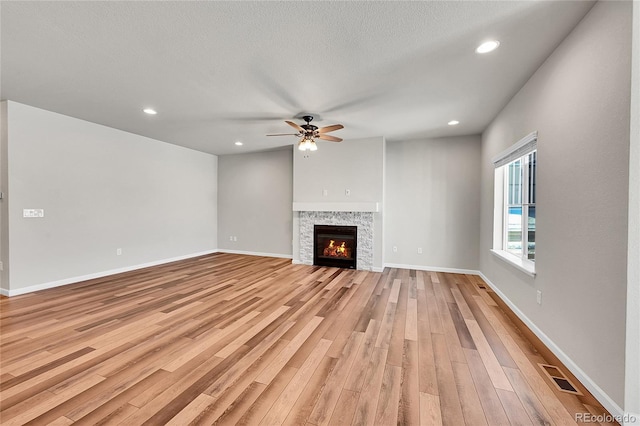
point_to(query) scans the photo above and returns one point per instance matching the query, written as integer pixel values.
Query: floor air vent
(558, 378)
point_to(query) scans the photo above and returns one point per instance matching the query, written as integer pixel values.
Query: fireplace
(335, 246)
(308, 219)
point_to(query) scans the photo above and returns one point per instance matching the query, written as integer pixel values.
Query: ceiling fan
(308, 133)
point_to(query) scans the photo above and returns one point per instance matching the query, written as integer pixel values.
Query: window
(515, 204)
(519, 230)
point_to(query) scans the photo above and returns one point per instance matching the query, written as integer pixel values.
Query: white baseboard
(376, 269)
(255, 253)
(432, 268)
(595, 390)
(72, 280)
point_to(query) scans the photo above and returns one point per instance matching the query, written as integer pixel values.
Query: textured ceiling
(220, 72)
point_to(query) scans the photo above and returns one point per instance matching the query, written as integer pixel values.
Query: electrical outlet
(118, 252)
(539, 297)
(419, 250)
(395, 249)
(325, 192)
(230, 238)
(235, 238)
(347, 192)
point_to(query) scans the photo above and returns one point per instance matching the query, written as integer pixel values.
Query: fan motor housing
(309, 128)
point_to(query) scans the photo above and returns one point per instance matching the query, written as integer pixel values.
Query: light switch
(33, 213)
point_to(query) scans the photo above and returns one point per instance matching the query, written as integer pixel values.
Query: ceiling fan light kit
(306, 144)
(309, 132)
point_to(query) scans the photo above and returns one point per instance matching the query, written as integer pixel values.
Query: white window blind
(522, 147)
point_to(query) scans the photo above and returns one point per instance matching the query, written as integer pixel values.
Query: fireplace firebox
(335, 246)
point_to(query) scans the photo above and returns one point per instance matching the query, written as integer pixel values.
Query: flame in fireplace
(333, 250)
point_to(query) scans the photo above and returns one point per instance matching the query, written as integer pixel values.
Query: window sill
(525, 266)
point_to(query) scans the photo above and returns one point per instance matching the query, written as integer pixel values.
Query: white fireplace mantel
(337, 207)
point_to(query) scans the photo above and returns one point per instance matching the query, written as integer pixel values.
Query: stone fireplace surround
(363, 220)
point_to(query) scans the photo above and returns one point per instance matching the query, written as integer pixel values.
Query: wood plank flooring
(229, 339)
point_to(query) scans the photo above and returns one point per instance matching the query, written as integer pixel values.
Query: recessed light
(149, 111)
(239, 143)
(453, 122)
(488, 46)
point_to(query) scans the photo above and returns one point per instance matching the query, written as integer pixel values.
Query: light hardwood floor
(230, 339)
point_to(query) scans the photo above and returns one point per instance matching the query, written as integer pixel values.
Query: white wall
(254, 202)
(433, 202)
(578, 101)
(4, 206)
(355, 164)
(632, 371)
(101, 189)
